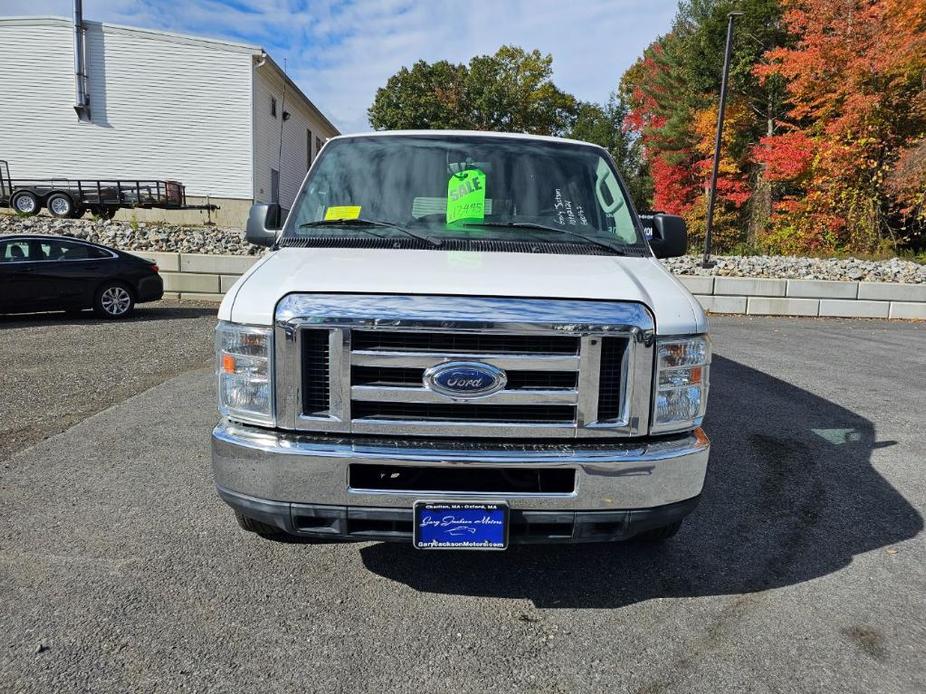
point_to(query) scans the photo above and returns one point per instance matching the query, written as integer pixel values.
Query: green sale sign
(466, 196)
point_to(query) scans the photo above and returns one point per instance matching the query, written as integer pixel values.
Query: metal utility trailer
(70, 197)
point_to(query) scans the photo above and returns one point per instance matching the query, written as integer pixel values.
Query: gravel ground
(200, 239)
(802, 570)
(794, 267)
(60, 369)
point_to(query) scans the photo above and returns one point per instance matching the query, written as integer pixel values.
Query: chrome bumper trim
(302, 468)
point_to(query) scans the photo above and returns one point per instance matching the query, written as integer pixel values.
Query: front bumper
(300, 483)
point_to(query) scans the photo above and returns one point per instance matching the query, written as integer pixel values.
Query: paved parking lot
(801, 570)
(59, 369)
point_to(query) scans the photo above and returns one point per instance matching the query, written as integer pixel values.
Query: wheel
(60, 205)
(25, 202)
(78, 212)
(659, 534)
(114, 300)
(103, 212)
(265, 530)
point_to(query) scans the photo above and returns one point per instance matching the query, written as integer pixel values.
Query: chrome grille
(574, 368)
(387, 376)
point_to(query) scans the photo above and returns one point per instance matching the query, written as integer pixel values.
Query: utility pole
(709, 225)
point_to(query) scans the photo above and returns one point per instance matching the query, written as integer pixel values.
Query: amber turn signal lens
(228, 363)
(695, 374)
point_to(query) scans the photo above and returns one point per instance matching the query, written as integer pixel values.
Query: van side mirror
(264, 221)
(670, 237)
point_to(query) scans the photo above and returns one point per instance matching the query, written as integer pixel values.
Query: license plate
(460, 525)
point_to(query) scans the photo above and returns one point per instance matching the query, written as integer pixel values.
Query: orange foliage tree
(825, 143)
(855, 80)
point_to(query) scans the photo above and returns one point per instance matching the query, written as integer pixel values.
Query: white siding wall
(162, 107)
(269, 84)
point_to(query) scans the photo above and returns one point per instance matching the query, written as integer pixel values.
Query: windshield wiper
(542, 227)
(360, 222)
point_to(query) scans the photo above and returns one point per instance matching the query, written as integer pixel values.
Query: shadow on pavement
(142, 314)
(790, 495)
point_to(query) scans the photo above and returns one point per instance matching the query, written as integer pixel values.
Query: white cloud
(340, 51)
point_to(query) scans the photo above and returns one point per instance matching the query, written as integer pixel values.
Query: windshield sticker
(342, 212)
(466, 196)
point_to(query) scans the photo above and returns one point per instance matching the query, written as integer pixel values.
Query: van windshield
(434, 189)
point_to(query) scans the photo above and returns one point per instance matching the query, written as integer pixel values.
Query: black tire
(78, 212)
(265, 530)
(25, 202)
(659, 534)
(114, 300)
(103, 212)
(60, 205)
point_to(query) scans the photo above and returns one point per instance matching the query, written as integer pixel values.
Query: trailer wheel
(60, 205)
(25, 202)
(78, 212)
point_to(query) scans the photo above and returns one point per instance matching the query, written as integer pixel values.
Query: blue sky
(340, 51)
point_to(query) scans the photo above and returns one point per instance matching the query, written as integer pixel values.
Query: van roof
(467, 133)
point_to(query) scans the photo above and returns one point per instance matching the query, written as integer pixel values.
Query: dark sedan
(58, 273)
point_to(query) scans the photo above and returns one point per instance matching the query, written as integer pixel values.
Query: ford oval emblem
(465, 379)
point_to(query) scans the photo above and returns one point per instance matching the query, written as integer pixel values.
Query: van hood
(254, 297)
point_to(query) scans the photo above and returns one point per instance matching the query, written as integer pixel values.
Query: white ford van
(461, 340)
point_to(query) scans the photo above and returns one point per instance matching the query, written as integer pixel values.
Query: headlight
(682, 366)
(243, 370)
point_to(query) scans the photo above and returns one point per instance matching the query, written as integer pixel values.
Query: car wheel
(265, 530)
(60, 205)
(659, 534)
(26, 202)
(114, 300)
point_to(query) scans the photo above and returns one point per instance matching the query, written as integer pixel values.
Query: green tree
(428, 96)
(511, 91)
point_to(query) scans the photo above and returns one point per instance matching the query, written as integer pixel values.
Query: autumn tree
(855, 82)
(604, 126)
(825, 137)
(672, 91)
(660, 112)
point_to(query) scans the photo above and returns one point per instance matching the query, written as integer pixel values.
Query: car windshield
(414, 189)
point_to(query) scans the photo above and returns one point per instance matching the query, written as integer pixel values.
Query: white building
(205, 112)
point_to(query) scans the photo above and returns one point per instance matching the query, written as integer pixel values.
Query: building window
(318, 145)
(308, 149)
(273, 106)
(274, 186)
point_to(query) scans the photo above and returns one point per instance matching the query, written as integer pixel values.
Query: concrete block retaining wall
(208, 277)
(771, 297)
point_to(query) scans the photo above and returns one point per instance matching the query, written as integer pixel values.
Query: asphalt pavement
(57, 369)
(802, 570)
